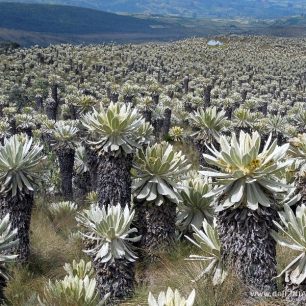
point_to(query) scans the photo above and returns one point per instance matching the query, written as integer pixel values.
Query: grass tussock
(176, 272)
(190, 151)
(51, 248)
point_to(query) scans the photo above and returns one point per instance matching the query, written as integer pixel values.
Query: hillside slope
(68, 20)
(208, 8)
(30, 24)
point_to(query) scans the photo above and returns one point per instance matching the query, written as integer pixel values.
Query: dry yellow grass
(51, 249)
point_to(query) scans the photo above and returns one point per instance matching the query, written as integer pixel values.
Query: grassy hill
(200, 8)
(29, 24)
(292, 21)
(68, 20)
(44, 24)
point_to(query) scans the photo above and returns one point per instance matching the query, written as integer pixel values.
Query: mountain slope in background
(30, 24)
(201, 8)
(68, 20)
(43, 24)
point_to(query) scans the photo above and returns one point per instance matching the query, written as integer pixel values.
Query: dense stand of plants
(101, 131)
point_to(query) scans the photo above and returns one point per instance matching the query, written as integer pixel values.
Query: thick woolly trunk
(39, 103)
(114, 180)
(300, 183)
(186, 84)
(66, 163)
(70, 113)
(157, 125)
(28, 131)
(54, 93)
(263, 108)
(188, 107)
(2, 106)
(264, 138)
(247, 246)
(20, 210)
(3, 283)
(116, 278)
(280, 139)
(51, 108)
(114, 97)
(244, 94)
(13, 128)
(207, 95)
(166, 122)
(202, 149)
(128, 99)
(295, 294)
(92, 161)
(228, 112)
(46, 138)
(156, 225)
(82, 184)
(155, 99)
(246, 129)
(73, 112)
(200, 145)
(147, 115)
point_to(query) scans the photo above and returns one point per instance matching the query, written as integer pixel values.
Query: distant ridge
(199, 8)
(44, 24)
(45, 18)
